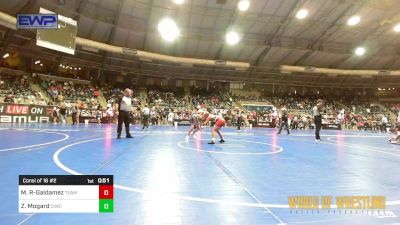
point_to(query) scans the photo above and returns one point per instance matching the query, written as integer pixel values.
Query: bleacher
(19, 90)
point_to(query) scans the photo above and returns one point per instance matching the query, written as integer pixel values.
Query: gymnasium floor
(162, 179)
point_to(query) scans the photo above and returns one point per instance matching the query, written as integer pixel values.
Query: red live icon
(106, 192)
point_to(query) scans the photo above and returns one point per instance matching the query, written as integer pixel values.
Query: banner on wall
(90, 114)
(331, 126)
(13, 113)
(182, 122)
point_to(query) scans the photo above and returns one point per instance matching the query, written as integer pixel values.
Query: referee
(284, 122)
(124, 109)
(318, 118)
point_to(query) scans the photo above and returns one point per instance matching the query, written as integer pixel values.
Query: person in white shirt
(153, 117)
(124, 106)
(318, 118)
(194, 124)
(146, 116)
(110, 113)
(171, 117)
(305, 122)
(384, 124)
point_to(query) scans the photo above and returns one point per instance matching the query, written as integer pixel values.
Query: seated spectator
(9, 99)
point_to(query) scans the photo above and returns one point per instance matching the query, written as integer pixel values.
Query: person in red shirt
(96, 93)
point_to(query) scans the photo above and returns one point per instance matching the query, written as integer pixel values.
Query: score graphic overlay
(66, 193)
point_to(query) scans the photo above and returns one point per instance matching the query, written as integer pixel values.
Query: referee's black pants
(123, 117)
(318, 125)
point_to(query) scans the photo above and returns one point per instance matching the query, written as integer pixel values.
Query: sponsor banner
(331, 126)
(183, 122)
(14, 113)
(264, 124)
(90, 114)
(37, 21)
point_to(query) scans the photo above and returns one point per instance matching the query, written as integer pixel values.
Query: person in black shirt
(55, 115)
(63, 113)
(318, 118)
(284, 122)
(99, 114)
(74, 115)
(239, 119)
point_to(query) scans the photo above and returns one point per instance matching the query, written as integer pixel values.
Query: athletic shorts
(219, 122)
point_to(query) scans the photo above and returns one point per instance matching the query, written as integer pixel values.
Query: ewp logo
(37, 21)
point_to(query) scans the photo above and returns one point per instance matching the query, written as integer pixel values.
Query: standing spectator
(55, 115)
(384, 124)
(74, 115)
(305, 122)
(109, 114)
(295, 123)
(239, 119)
(153, 116)
(63, 113)
(99, 115)
(146, 116)
(171, 117)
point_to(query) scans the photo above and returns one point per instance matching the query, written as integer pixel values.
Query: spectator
(384, 124)
(63, 113)
(74, 115)
(9, 99)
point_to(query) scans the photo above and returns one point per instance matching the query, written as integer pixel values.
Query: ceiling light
(37, 62)
(397, 28)
(41, 64)
(168, 29)
(232, 38)
(244, 5)
(6, 55)
(360, 51)
(301, 14)
(80, 68)
(354, 20)
(179, 2)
